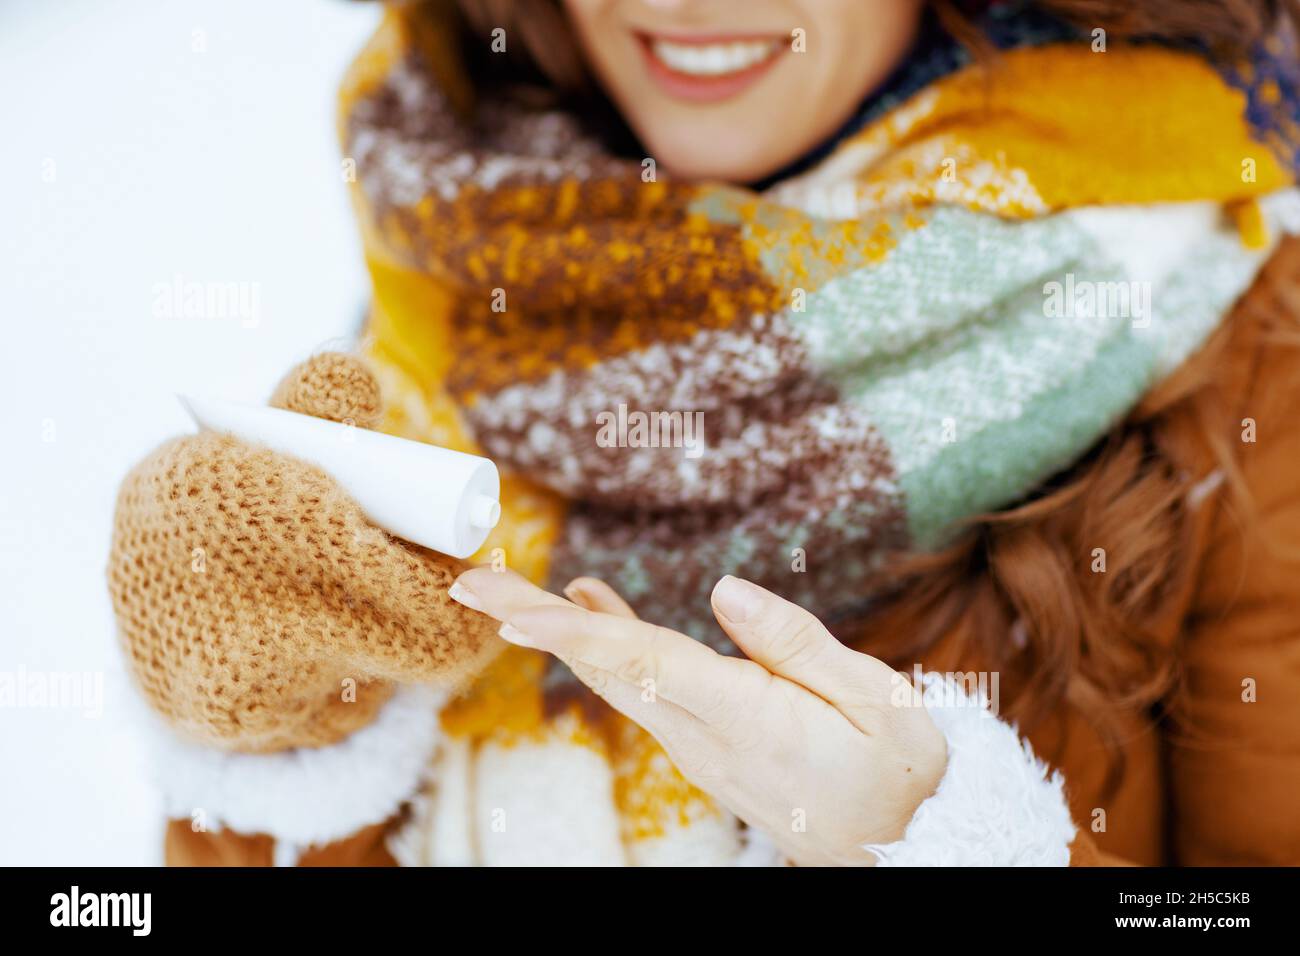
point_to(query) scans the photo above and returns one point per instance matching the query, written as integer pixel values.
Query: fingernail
(735, 599)
(512, 634)
(463, 595)
(579, 595)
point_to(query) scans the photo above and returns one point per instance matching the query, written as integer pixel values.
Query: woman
(841, 341)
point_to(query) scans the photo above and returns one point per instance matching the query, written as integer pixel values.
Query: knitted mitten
(258, 607)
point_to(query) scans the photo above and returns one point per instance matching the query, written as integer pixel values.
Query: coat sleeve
(1234, 727)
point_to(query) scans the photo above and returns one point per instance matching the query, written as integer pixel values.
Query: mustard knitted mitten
(258, 608)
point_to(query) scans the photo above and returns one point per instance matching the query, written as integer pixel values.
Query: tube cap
(484, 512)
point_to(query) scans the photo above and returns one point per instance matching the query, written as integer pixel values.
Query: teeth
(712, 59)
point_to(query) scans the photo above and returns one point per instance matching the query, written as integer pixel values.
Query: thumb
(791, 642)
(331, 385)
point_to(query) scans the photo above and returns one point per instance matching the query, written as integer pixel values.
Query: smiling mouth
(708, 69)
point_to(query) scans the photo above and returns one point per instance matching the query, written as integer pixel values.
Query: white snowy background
(140, 141)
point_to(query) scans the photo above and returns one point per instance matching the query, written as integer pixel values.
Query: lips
(708, 69)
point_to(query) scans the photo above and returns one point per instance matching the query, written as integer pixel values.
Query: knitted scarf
(941, 308)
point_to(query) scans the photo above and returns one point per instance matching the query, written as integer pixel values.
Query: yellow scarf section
(1014, 141)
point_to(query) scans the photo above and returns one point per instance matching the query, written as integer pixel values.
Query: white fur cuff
(996, 804)
(307, 796)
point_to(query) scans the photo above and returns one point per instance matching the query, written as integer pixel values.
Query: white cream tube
(445, 500)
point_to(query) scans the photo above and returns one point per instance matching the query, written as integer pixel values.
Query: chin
(695, 155)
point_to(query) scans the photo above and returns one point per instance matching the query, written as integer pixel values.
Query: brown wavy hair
(1014, 591)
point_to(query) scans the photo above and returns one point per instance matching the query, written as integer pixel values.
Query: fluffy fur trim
(305, 796)
(996, 805)
(439, 830)
(548, 802)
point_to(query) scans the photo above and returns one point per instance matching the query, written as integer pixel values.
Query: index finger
(685, 672)
(499, 594)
